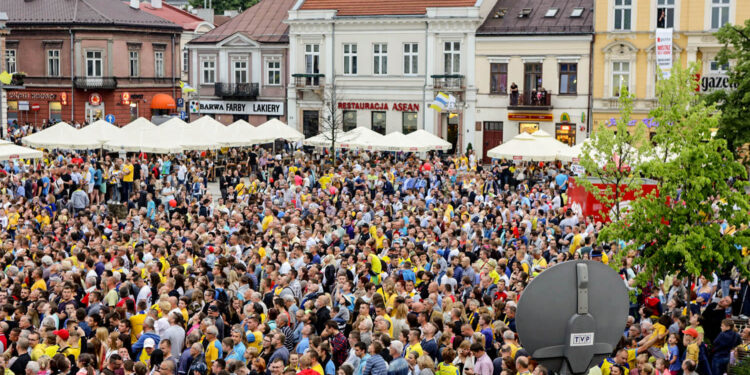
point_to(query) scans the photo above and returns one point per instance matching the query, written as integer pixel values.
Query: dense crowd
(369, 264)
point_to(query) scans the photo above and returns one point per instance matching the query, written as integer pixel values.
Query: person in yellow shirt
(577, 240)
(414, 344)
(39, 282)
(13, 218)
(213, 350)
(136, 321)
(128, 171)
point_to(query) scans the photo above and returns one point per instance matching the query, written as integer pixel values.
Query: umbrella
(522, 147)
(427, 141)
(274, 129)
(60, 135)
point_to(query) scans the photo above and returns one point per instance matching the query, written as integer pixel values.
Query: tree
(612, 157)
(734, 126)
(689, 226)
(333, 122)
(221, 5)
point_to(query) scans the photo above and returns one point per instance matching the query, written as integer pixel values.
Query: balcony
(236, 90)
(448, 82)
(531, 101)
(95, 83)
(124, 81)
(311, 81)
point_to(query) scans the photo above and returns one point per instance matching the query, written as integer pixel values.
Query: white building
(545, 49)
(384, 62)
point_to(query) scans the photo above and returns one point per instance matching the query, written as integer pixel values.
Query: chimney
(156, 4)
(135, 4)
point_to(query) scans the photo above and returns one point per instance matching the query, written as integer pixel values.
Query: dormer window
(524, 13)
(551, 13)
(577, 12)
(500, 13)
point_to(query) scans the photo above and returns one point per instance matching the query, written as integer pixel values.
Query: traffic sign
(180, 102)
(110, 118)
(183, 115)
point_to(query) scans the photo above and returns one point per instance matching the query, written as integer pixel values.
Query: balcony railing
(101, 83)
(311, 81)
(531, 100)
(448, 82)
(145, 80)
(239, 90)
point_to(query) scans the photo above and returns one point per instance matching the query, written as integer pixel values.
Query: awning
(163, 101)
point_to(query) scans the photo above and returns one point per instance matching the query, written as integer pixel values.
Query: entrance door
(533, 80)
(566, 133)
(310, 123)
(94, 112)
(452, 133)
(493, 136)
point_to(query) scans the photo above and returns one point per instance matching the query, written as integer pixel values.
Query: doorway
(452, 133)
(566, 133)
(533, 79)
(492, 137)
(240, 117)
(310, 121)
(94, 112)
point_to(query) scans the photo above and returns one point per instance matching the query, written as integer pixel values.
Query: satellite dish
(572, 315)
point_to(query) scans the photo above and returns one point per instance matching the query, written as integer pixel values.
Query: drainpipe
(589, 122)
(72, 76)
(173, 67)
(424, 88)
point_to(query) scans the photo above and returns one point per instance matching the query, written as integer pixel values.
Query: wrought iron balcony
(531, 101)
(312, 81)
(92, 83)
(448, 82)
(237, 90)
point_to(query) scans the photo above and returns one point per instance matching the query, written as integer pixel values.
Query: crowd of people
(366, 264)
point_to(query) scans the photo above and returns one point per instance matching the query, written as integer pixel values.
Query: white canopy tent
(137, 125)
(426, 141)
(395, 141)
(60, 135)
(101, 131)
(359, 137)
(11, 151)
(547, 141)
(241, 134)
(174, 124)
(522, 147)
(274, 129)
(572, 154)
(145, 140)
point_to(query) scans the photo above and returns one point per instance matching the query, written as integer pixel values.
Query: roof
(176, 15)
(79, 12)
(505, 19)
(382, 7)
(220, 19)
(263, 23)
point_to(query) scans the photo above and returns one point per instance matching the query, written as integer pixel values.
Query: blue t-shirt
(674, 353)
(560, 180)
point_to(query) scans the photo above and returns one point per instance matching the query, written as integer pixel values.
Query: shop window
(350, 120)
(528, 127)
(409, 122)
(568, 78)
(498, 78)
(12, 112)
(378, 122)
(55, 112)
(566, 133)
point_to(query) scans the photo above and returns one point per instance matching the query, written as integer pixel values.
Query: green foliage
(611, 157)
(221, 5)
(734, 126)
(679, 229)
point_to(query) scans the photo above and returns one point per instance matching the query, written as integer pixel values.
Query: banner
(237, 107)
(664, 51)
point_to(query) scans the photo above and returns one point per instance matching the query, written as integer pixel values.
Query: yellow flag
(6, 78)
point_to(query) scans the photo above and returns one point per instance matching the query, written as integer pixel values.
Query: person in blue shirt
(562, 181)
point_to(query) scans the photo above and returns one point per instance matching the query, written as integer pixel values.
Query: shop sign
(565, 117)
(95, 99)
(530, 116)
(713, 82)
(19, 95)
(23, 106)
(125, 98)
(237, 107)
(375, 106)
(136, 96)
(64, 98)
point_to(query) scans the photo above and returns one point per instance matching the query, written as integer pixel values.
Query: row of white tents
(538, 146)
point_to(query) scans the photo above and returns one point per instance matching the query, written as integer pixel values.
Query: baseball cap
(691, 332)
(62, 333)
(149, 343)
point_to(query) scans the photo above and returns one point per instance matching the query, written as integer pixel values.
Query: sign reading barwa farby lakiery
(228, 107)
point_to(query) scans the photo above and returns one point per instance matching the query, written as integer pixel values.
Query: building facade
(383, 65)
(240, 69)
(533, 63)
(82, 60)
(625, 46)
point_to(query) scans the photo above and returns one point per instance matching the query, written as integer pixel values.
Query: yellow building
(624, 46)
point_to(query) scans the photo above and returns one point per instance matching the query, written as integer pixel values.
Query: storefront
(381, 116)
(228, 111)
(35, 107)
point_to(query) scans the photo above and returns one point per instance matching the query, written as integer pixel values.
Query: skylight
(577, 12)
(525, 12)
(551, 12)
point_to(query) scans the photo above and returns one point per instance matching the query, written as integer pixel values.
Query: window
(498, 78)
(551, 12)
(312, 58)
(185, 61)
(620, 76)
(411, 59)
(208, 66)
(273, 70)
(577, 12)
(10, 61)
(239, 70)
(133, 58)
(568, 78)
(716, 68)
(664, 14)
(94, 63)
(380, 59)
(378, 122)
(409, 122)
(350, 120)
(524, 13)
(719, 13)
(53, 62)
(452, 55)
(493, 125)
(159, 64)
(350, 59)
(623, 12)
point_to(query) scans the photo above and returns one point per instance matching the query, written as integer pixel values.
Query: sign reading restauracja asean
(403, 107)
(237, 107)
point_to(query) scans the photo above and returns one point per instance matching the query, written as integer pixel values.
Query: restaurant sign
(530, 116)
(375, 106)
(237, 107)
(18, 95)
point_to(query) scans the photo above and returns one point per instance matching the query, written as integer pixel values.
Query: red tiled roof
(263, 22)
(382, 7)
(221, 19)
(175, 15)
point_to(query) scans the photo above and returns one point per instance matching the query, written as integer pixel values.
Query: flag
(451, 105)
(6, 78)
(186, 87)
(440, 102)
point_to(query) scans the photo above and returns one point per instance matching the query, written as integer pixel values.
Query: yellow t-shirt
(39, 284)
(257, 338)
(136, 326)
(51, 350)
(266, 222)
(318, 368)
(577, 239)
(127, 171)
(415, 348)
(13, 220)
